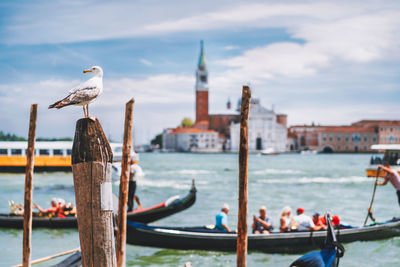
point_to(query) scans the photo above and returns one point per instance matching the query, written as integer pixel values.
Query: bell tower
(202, 90)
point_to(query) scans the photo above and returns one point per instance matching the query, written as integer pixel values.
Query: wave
(318, 180)
(165, 183)
(184, 184)
(181, 172)
(275, 171)
(54, 187)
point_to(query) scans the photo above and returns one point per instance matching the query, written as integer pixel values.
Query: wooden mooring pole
(241, 259)
(123, 186)
(91, 168)
(30, 154)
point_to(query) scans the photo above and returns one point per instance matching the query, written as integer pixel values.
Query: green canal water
(320, 183)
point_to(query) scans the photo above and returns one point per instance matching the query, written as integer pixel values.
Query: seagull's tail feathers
(60, 104)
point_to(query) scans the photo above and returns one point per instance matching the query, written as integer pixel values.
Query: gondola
(170, 206)
(203, 238)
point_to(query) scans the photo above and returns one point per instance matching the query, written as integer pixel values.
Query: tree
(10, 137)
(186, 122)
(157, 140)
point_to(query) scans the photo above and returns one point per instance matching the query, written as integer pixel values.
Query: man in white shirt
(304, 222)
(134, 173)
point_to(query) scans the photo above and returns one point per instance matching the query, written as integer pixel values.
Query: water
(320, 183)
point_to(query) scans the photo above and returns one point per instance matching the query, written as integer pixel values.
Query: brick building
(357, 137)
(201, 92)
(346, 139)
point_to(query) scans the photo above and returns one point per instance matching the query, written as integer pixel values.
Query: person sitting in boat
(53, 211)
(319, 221)
(135, 173)
(285, 219)
(302, 222)
(392, 176)
(263, 223)
(221, 219)
(68, 210)
(16, 209)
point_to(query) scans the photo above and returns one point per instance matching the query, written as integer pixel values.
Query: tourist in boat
(391, 176)
(263, 223)
(221, 219)
(285, 219)
(16, 209)
(319, 221)
(69, 210)
(53, 211)
(302, 222)
(135, 173)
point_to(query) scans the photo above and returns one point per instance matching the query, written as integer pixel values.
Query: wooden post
(30, 155)
(243, 156)
(124, 184)
(91, 168)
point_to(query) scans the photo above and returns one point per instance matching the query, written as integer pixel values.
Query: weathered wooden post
(241, 260)
(91, 167)
(123, 186)
(30, 154)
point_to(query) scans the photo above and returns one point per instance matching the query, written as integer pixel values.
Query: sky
(328, 62)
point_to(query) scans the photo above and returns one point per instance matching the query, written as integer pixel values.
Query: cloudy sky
(331, 63)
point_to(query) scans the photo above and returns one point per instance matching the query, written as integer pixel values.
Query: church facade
(267, 130)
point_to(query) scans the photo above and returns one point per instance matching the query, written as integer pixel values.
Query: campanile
(201, 90)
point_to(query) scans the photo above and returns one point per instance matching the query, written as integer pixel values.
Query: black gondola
(203, 238)
(147, 215)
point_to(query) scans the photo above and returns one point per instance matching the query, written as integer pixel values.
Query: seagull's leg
(92, 118)
(84, 112)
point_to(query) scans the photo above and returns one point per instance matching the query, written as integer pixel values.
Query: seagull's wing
(82, 93)
(88, 85)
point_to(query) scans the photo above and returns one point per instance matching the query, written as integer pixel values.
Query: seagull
(84, 93)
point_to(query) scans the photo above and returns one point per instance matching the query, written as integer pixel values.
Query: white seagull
(84, 93)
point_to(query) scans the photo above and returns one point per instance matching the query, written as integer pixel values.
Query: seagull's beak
(86, 71)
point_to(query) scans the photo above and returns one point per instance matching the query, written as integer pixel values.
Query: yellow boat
(391, 154)
(49, 156)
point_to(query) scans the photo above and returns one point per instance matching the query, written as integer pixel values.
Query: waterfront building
(303, 137)
(346, 139)
(267, 129)
(356, 137)
(191, 140)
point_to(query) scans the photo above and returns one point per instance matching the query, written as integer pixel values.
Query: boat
(391, 155)
(308, 152)
(269, 152)
(205, 238)
(49, 156)
(75, 260)
(170, 206)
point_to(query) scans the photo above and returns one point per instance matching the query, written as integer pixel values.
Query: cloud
(146, 62)
(330, 32)
(76, 21)
(231, 47)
